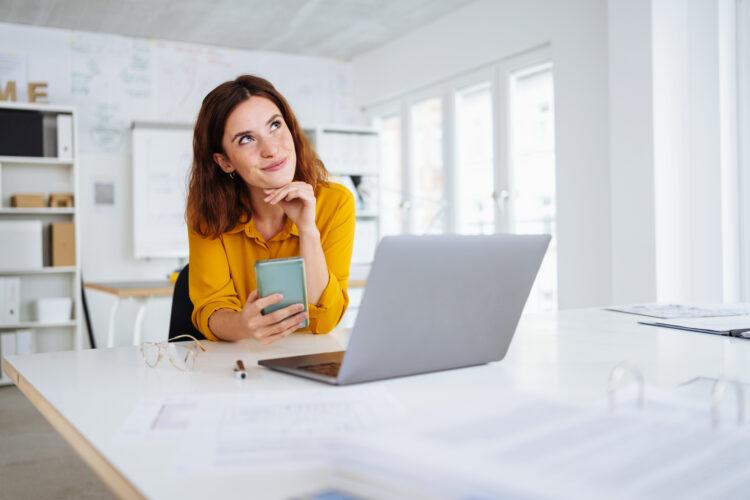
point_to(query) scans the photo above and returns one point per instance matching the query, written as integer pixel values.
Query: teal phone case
(284, 276)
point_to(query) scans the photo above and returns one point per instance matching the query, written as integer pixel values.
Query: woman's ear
(223, 162)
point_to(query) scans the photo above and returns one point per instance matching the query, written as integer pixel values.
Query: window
(391, 190)
(475, 155)
(475, 208)
(532, 171)
(426, 205)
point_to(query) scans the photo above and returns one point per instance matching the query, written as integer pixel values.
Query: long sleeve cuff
(330, 307)
(200, 317)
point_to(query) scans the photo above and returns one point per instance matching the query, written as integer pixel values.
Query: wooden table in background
(137, 290)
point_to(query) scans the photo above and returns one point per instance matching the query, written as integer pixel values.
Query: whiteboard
(162, 157)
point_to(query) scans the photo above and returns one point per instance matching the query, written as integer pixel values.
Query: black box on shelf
(21, 133)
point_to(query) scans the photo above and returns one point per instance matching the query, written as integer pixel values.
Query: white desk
(87, 395)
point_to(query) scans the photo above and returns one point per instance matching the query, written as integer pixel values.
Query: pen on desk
(239, 370)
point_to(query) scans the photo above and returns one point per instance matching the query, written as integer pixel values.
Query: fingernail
(279, 296)
(300, 307)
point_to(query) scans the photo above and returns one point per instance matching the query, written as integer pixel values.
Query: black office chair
(180, 322)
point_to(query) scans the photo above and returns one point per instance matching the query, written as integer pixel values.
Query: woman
(258, 191)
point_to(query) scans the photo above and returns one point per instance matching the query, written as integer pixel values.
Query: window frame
(497, 73)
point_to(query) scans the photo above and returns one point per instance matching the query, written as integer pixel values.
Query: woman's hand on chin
(297, 199)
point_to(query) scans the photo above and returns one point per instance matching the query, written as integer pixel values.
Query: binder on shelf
(7, 344)
(21, 133)
(25, 342)
(10, 300)
(65, 136)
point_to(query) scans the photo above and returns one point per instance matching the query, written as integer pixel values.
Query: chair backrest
(180, 322)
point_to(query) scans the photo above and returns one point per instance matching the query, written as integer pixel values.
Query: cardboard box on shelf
(27, 200)
(61, 199)
(63, 239)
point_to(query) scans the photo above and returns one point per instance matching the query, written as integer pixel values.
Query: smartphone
(284, 276)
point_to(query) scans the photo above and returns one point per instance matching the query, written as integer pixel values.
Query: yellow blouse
(222, 270)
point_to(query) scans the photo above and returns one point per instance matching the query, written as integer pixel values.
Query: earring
(231, 174)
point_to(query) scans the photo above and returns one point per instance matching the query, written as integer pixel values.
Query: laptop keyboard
(329, 369)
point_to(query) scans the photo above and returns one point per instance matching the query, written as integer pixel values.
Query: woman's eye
(276, 124)
(245, 139)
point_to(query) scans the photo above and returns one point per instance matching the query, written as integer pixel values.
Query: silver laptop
(431, 303)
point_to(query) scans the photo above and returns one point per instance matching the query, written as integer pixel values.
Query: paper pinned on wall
(104, 193)
(13, 68)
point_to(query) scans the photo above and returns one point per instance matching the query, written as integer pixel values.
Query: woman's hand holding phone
(269, 328)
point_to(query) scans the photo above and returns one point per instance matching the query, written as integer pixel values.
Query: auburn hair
(216, 203)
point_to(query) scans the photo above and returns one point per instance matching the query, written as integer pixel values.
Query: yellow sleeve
(337, 242)
(211, 286)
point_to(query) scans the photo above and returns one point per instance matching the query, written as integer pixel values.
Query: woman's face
(258, 145)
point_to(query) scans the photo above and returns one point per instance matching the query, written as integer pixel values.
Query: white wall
(487, 31)
(671, 147)
(114, 80)
(743, 58)
(631, 152)
(697, 233)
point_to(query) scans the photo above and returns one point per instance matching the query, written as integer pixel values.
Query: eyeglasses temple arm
(190, 337)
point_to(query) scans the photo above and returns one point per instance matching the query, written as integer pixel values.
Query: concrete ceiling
(339, 29)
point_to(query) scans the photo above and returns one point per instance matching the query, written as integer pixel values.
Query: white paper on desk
(674, 311)
(248, 431)
(580, 452)
(158, 418)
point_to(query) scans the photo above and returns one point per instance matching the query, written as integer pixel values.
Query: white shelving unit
(351, 156)
(44, 174)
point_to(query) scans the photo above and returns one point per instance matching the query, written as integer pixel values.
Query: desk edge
(113, 478)
(163, 291)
